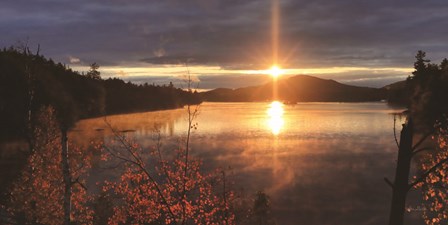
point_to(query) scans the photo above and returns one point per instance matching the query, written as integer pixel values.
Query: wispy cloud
(74, 60)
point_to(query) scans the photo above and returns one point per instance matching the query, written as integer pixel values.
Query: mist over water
(320, 163)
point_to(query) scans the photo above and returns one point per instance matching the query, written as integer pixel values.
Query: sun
(275, 71)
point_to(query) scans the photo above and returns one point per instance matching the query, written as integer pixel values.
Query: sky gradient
(227, 43)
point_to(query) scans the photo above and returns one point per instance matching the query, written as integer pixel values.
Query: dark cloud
(234, 34)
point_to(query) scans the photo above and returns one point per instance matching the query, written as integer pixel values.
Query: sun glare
(275, 114)
(275, 71)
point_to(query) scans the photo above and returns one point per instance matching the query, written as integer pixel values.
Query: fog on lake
(320, 163)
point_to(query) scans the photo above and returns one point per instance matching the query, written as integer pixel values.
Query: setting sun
(275, 71)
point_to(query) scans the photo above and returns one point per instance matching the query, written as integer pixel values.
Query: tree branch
(76, 181)
(422, 140)
(139, 163)
(164, 164)
(421, 150)
(395, 133)
(389, 182)
(427, 173)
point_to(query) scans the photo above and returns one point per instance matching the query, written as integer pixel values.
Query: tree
(429, 85)
(420, 66)
(46, 85)
(434, 185)
(262, 210)
(38, 196)
(93, 73)
(427, 118)
(170, 190)
(401, 186)
(29, 81)
(164, 188)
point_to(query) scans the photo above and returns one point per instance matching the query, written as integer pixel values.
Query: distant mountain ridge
(300, 88)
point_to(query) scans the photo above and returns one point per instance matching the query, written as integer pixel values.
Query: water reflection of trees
(143, 125)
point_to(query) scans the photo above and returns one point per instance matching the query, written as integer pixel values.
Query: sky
(228, 43)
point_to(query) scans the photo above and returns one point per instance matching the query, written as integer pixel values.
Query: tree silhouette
(93, 73)
(74, 96)
(262, 210)
(427, 118)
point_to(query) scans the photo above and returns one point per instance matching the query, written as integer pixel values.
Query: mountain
(300, 88)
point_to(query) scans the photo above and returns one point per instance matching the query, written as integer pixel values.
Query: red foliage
(154, 190)
(435, 186)
(37, 195)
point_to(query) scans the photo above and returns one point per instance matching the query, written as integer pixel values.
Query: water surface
(320, 163)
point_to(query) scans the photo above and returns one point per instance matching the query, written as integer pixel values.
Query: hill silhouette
(300, 88)
(29, 81)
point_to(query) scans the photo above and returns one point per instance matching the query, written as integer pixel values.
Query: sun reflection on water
(275, 114)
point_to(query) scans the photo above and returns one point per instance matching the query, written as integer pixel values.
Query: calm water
(321, 163)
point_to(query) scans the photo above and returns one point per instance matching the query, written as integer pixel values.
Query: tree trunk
(401, 185)
(66, 176)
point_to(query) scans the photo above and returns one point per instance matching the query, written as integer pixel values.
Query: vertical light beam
(275, 20)
(275, 30)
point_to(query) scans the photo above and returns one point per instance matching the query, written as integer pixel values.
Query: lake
(320, 163)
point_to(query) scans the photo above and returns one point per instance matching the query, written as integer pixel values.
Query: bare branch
(137, 161)
(74, 171)
(225, 197)
(395, 132)
(421, 150)
(76, 181)
(159, 151)
(422, 140)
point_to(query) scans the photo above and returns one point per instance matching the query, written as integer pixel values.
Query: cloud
(74, 60)
(159, 52)
(230, 33)
(121, 73)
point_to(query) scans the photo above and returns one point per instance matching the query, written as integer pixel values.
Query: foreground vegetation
(154, 187)
(423, 141)
(43, 101)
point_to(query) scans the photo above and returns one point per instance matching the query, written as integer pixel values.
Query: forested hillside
(29, 81)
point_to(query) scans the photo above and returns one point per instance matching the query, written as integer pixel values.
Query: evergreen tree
(93, 73)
